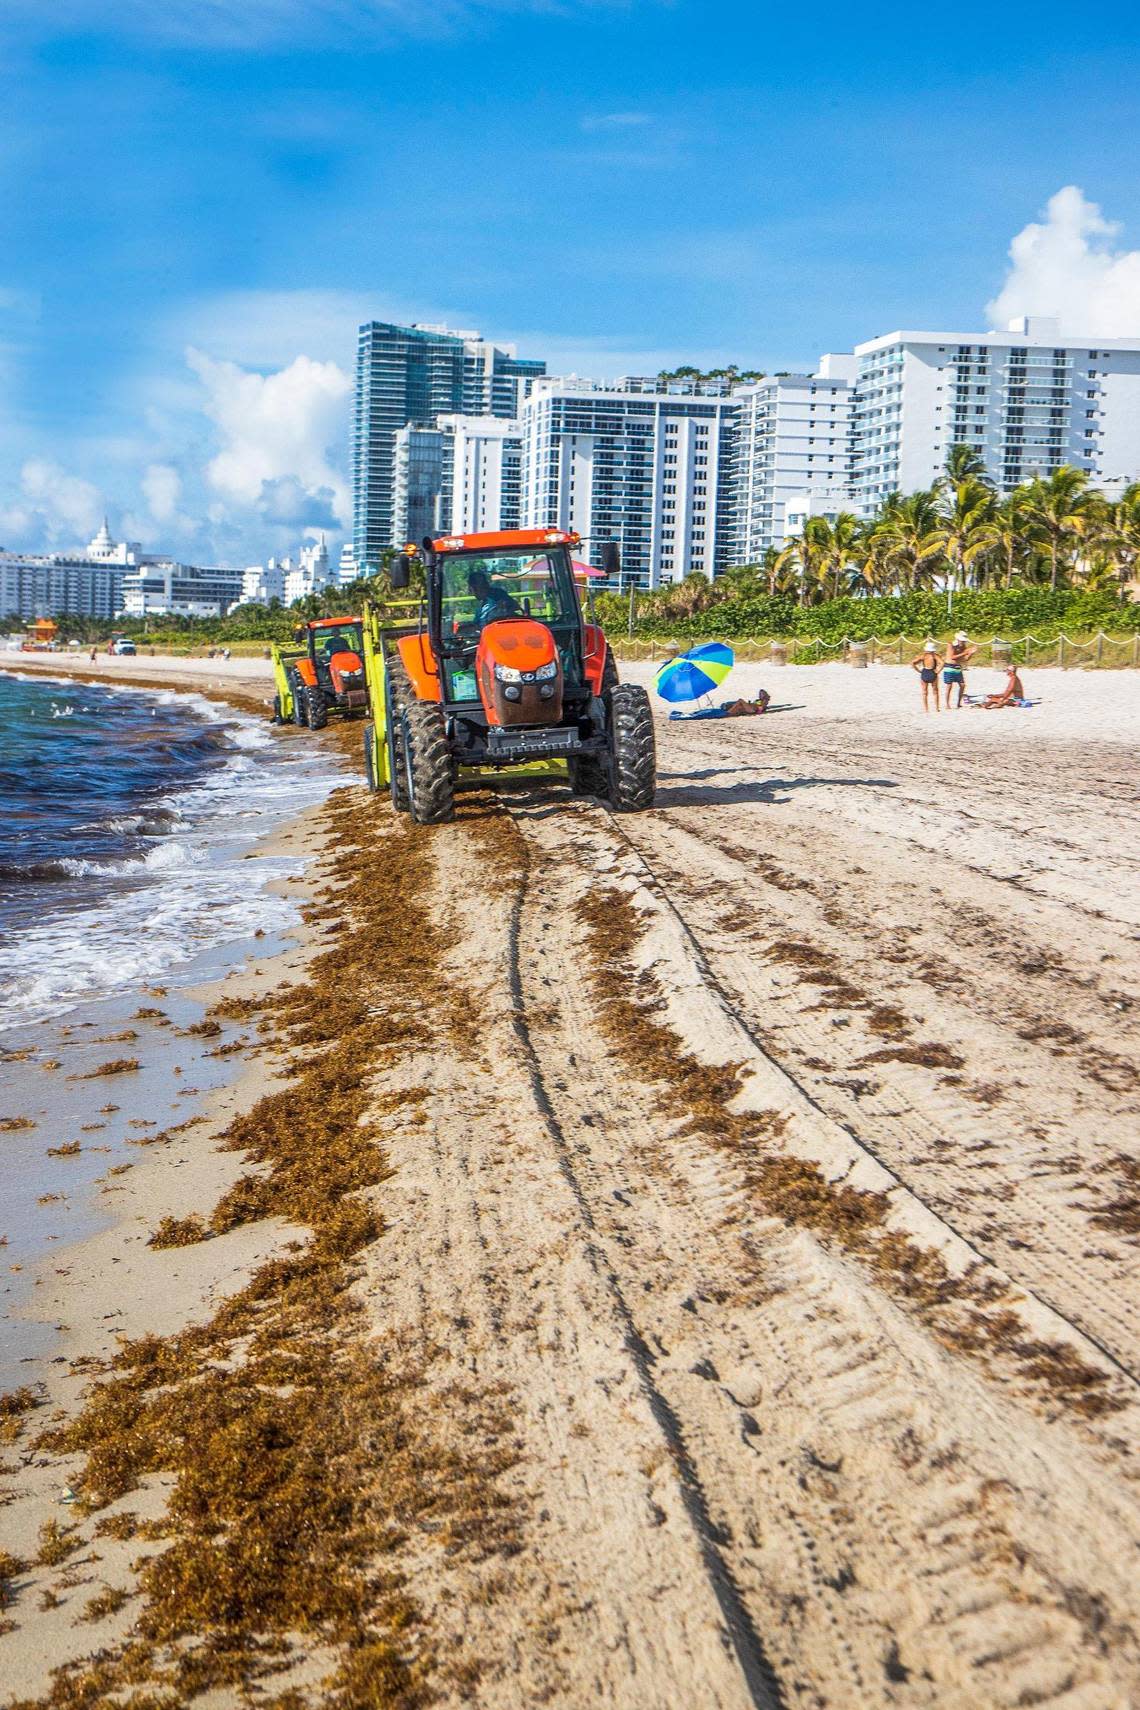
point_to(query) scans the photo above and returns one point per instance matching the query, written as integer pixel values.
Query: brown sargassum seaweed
(300, 1452)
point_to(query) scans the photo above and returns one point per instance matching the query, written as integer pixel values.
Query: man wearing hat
(958, 655)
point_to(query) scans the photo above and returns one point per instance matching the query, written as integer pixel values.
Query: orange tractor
(502, 672)
(322, 672)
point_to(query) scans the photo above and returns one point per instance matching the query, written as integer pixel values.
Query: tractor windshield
(337, 638)
(480, 587)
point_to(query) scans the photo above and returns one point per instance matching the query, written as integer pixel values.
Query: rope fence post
(1061, 651)
(1099, 646)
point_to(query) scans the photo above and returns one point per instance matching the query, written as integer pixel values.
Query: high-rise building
(88, 581)
(416, 484)
(643, 462)
(408, 376)
(1027, 399)
(480, 474)
(791, 453)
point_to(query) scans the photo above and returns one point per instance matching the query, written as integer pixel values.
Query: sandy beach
(685, 1258)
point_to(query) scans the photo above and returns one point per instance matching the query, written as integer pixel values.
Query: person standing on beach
(958, 656)
(927, 664)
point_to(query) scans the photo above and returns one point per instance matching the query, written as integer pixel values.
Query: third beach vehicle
(322, 672)
(502, 673)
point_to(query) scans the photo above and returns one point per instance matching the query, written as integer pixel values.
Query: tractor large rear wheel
(317, 708)
(633, 749)
(428, 769)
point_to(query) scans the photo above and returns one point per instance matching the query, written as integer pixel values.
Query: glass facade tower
(411, 375)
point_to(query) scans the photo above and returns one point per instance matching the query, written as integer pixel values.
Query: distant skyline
(202, 201)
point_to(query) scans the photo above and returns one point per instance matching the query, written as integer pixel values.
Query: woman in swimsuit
(926, 664)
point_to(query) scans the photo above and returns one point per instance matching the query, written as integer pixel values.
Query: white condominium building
(792, 453)
(646, 463)
(1027, 399)
(480, 474)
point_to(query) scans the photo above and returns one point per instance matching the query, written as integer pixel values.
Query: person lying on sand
(927, 664)
(748, 709)
(1013, 695)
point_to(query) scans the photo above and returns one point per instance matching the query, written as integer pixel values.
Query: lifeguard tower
(39, 637)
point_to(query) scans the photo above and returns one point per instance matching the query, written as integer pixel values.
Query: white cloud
(228, 24)
(276, 430)
(1069, 267)
(614, 121)
(161, 488)
(53, 506)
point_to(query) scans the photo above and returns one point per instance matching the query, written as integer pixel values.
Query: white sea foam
(192, 891)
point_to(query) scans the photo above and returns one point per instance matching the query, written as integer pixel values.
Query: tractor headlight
(512, 692)
(545, 672)
(507, 674)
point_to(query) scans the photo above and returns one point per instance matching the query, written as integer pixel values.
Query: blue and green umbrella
(695, 673)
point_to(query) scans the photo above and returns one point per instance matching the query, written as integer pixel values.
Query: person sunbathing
(748, 709)
(1013, 695)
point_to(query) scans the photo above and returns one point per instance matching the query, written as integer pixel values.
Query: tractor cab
(502, 671)
(507, 619)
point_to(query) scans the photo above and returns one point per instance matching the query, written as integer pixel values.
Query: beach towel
(703, 712)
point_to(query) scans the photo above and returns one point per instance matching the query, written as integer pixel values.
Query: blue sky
(202, 199)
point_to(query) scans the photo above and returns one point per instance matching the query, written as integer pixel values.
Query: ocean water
(125, 820)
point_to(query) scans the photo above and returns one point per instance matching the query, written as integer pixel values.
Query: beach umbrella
(695, 673)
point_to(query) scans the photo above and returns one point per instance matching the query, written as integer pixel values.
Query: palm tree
(1059, 510)
(965, 463)
(824, 553)
(966, 509)
(1126, 532)
(904, 542)
(1008, 542)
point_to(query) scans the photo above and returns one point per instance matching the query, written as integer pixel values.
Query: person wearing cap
(958, 656)
(927, 665)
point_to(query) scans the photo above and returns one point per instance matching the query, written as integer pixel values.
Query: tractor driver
(491, 603)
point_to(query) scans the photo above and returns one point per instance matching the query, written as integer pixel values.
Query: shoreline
(94, 1293)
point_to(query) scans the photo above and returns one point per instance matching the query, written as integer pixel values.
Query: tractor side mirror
(611, 559)
(400, 573)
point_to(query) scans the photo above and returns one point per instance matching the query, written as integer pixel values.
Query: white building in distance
(644, 462)
(792, 453)
(288, 579)
(1028, 400)
(158, 587)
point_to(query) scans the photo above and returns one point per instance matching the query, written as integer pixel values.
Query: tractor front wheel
(633, 750)
(397, 692)
(317, 709)
(428, 772)
(370, 757)
(298, 689)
